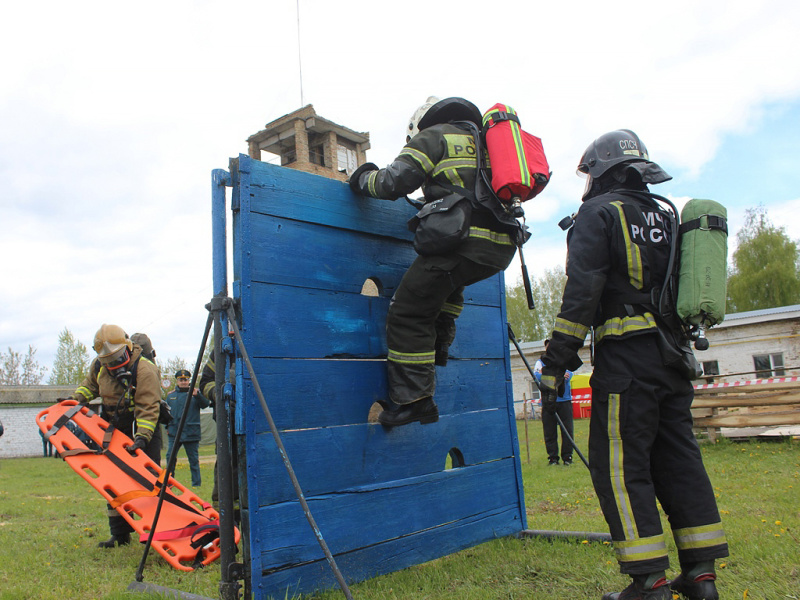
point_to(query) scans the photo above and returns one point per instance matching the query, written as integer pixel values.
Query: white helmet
(413, 122)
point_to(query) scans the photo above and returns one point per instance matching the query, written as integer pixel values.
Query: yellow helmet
(111, 343)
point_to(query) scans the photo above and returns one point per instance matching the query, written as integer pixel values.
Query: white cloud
(114, 116)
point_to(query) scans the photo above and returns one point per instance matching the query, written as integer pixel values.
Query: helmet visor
(118, 359)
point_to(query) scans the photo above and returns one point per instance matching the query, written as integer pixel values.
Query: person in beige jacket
(128, 385)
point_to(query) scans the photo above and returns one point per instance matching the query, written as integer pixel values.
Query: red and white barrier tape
(708, 386)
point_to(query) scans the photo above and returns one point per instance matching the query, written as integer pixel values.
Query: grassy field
(51, 521)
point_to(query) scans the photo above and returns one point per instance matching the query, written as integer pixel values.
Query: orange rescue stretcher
(187, 531)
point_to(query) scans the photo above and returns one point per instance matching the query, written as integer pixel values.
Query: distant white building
(748, 345)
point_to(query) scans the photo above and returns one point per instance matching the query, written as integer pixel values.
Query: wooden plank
(327, 393)
(289, 252)
(746, 400)
(391, 555)
(748, 386)
(750, 420)
(396, 509)
(294, 322)
(330, 459)
(308, 255)
(281, 192)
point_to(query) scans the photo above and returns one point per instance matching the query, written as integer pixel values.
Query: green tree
(16, 369)
(71, 362)
(765, 271)
(537, 324)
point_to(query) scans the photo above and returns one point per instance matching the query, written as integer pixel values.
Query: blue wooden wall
(303, 248)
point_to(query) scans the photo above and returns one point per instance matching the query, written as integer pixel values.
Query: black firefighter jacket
(437, 158)
(618, 250)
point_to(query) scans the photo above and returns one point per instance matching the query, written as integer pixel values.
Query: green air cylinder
(703, 272)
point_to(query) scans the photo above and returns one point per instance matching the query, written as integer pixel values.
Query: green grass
(51, 521)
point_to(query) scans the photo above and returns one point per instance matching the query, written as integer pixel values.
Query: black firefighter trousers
(116, 522)
(421, 319)
(641, 448)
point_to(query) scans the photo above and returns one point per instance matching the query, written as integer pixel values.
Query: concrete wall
(19, 406)
(21, 436)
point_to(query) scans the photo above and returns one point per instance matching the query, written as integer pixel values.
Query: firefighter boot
(116, 540)
(644, 587)
(120, 532)
(424, 411)
(696, 581)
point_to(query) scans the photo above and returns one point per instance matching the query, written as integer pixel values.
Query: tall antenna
(299, 54)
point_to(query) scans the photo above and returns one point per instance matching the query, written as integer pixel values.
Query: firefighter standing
(129, 386)
(550, 420)
(641, 445)
(440, 156)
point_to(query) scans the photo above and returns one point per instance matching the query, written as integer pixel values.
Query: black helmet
(618, 147)
(450, 109)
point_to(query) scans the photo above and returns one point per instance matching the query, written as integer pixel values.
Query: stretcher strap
(63, 420)
(133, 494)
(189, 531)
(141, 480)
(210, 533)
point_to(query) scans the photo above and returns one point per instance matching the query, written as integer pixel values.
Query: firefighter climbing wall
(303, 248)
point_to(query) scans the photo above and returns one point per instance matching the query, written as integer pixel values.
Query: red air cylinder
(516, 158)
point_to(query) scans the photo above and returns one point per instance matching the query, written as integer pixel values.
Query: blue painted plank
(396, 509)
(389, 556)
(301, 254)
(326, 393)
(339, 458)
(282, 192)
(294, 322)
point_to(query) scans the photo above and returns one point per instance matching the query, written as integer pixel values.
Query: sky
(113, 115)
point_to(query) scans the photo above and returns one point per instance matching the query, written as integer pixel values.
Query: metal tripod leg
(513, 339)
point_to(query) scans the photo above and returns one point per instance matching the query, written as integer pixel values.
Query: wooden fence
(752, 403)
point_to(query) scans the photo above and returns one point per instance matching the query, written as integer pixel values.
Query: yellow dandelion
(777, 522)
(723, 565)
(585, 542)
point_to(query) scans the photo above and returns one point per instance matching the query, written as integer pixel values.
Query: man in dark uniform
(191, 434)
(440, 156)
(641, 445)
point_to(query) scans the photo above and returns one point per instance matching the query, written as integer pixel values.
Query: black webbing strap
(145, 483)
(499, 117)
(63, 420)
(713, 222)
(209, 531)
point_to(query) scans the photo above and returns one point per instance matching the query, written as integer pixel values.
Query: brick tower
(307, 142)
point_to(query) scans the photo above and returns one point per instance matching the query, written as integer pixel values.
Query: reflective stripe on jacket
(617, 249)
(435, 159)
(146, 402)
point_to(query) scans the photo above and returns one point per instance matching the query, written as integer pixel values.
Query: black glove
(80, 400)
(552, 380)
(138, 444)
(353, 181)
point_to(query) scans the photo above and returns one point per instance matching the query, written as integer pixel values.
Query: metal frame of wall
(303, 247)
